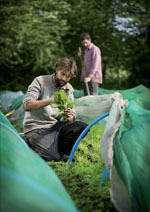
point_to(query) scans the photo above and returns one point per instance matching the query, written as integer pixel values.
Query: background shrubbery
(34, 34)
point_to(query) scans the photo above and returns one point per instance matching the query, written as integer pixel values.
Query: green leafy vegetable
(62, 102)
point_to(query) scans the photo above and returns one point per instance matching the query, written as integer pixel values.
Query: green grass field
(82, 178)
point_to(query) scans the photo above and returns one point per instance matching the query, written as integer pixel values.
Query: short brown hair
(84, 36)
(68, 65)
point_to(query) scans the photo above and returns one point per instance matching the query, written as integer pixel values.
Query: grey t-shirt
(43, 87)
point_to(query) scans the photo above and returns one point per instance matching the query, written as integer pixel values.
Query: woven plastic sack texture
(27, 182)
(132, 155)
(125, 149)
(12, 102)
(89, 108)
(139, 94)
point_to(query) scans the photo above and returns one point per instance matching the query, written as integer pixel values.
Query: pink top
(92, 64)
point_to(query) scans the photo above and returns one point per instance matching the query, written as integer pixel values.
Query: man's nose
(64, 78)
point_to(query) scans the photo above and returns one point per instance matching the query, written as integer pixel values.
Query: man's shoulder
(95, 47)
(44, 79)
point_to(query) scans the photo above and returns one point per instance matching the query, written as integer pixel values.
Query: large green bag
(27, 183)
(132, 155)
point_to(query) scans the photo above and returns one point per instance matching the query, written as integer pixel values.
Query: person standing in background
(91, 75)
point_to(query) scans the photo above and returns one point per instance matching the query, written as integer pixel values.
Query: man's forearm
(37, 104)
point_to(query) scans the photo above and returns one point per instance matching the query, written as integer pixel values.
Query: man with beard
(43, 130)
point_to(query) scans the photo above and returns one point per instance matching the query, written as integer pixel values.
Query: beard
(59, 82)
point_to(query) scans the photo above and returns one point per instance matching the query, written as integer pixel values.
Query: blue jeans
(93, 88)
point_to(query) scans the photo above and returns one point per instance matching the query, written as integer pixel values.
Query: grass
(82, 178)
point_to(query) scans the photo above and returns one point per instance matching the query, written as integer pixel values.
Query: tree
(35, 33)
(135, 33)
(31, 39)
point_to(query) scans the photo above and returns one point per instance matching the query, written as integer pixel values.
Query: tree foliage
(135, 40)
(31, 37)
(34, 34)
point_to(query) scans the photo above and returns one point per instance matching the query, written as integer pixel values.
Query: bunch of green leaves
(62, 102)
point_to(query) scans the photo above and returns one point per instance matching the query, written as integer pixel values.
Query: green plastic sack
(125, 149)
(27, 183)
(139, 94)
(17, 102)
(11, 104)
(132, 155)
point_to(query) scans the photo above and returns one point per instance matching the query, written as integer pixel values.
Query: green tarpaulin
(27, 183)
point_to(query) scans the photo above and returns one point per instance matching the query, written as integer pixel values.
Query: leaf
(62, 102)
(54, 105)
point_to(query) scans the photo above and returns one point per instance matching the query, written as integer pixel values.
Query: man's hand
(51, 100)
(80, 52)
(70, 116)
(87, 79)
